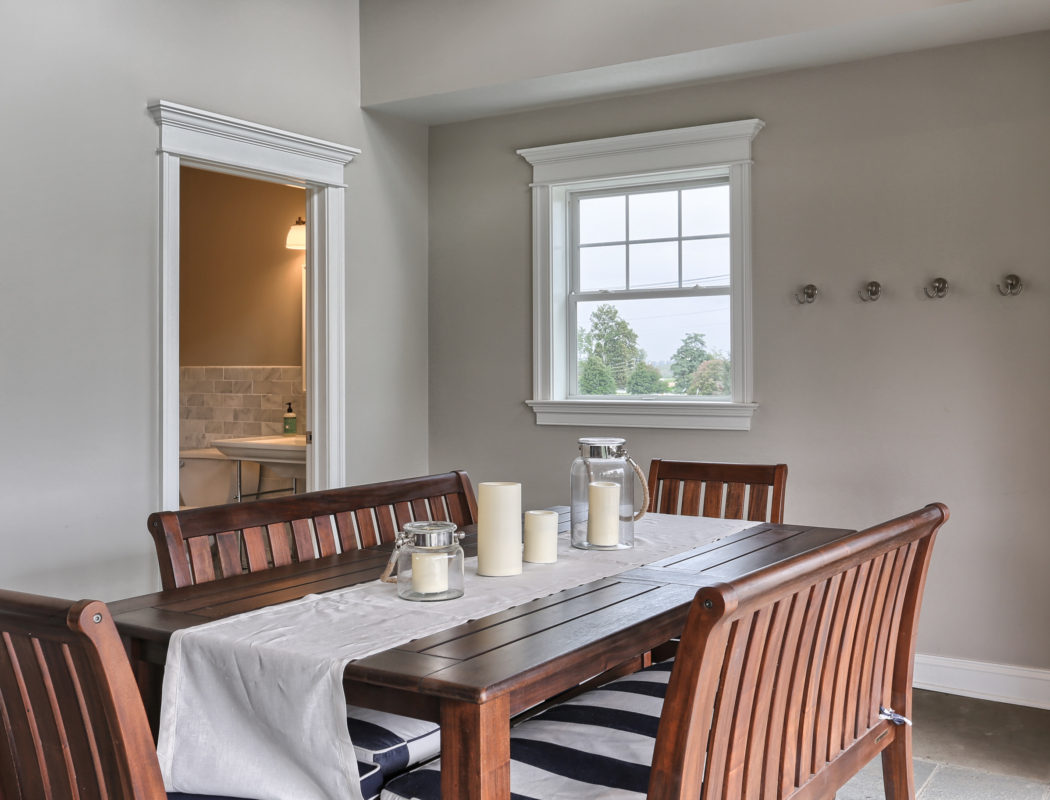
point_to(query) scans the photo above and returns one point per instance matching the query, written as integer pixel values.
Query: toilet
(208, 478)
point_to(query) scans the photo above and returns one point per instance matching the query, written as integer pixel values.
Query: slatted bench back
(73, 723)
(733, 491)
(196, 545)
(780, 675)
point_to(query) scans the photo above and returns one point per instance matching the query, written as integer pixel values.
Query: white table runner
(253, 705)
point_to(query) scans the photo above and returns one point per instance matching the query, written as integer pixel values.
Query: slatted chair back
(779, 680)
(73, 723)
(733, 491)
(197, 545)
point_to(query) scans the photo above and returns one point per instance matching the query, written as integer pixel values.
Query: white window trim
(683, 153)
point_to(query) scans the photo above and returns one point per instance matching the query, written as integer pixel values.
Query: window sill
(683, 414)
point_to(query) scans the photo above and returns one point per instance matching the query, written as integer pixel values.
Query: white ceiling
(954, 23)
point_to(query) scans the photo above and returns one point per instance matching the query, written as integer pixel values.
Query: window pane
(677, 346)
(705, 262)
(654, 215)
(654, 265)
(603, 268)
(602, 219)
(705, 211)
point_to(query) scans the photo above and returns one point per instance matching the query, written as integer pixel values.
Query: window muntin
(651, 274)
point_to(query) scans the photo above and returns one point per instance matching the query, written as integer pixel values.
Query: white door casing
(202, 139)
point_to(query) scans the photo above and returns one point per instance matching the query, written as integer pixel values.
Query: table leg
(475, 750)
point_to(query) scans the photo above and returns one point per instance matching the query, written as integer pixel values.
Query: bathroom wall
(227, 402)
(240, 292)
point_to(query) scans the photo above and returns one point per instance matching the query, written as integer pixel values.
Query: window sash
(576, 295)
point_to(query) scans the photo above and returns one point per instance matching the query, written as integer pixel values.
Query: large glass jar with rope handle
(602, 495)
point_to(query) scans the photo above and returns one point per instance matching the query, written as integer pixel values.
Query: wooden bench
(782, 688)
(196, 545)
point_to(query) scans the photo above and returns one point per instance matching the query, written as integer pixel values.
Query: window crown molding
(654, 151)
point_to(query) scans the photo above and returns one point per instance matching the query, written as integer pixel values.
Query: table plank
(481, 636)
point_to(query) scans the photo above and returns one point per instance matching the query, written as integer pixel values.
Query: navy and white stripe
(392, 742)
(596, 746)
(371, 783)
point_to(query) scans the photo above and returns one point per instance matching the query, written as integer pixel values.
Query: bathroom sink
(285, 455)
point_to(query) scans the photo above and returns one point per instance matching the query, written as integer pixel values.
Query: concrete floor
(967, 749)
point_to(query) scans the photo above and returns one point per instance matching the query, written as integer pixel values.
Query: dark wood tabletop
(473, 677)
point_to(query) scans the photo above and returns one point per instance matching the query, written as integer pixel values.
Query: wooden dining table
(473, 678)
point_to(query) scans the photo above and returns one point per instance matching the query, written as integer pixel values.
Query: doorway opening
(241, 339)
(212, 142)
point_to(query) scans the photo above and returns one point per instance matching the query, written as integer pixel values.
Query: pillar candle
(603, 513)
(499, 528)
(541, 537)
(429, 572)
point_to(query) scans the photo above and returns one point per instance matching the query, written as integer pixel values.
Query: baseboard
(1004, 683)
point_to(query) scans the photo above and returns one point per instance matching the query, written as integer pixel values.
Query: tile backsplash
(227, 402)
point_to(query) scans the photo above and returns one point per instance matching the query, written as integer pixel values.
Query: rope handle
(645, 486)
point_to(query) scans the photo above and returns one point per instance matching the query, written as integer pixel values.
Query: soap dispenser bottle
(289, 421)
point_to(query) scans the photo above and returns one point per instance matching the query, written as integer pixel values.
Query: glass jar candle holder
(602, 495)
(429, 561)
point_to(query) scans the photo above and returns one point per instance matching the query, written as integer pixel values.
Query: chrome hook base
(939, 288)
(809, 294)
(1011, 286)
(871, 292)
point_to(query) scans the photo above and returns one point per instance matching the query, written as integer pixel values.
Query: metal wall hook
(871, 292)
(1011, 285)
(939, 288)
(809, 294)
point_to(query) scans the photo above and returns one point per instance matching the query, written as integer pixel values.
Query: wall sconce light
(296, 235)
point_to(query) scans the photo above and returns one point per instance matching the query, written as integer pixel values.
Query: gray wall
(898, 169)
(476, 43)
(79, 216)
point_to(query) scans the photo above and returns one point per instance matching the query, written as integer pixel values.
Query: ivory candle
(541, 537)
(429, 573)
(603, 513)
(499, 528)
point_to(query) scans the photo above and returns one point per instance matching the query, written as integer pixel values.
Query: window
(641, 277)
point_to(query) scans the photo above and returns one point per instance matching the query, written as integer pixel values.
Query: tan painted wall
(240, 292)
(898, 169)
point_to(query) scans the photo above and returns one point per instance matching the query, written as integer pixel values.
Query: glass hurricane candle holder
(429, 561)
(602, 493)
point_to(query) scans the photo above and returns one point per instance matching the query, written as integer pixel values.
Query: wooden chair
(73, 719)
(783, 688)
(699, 488)
(196, 545)
(73, 725)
